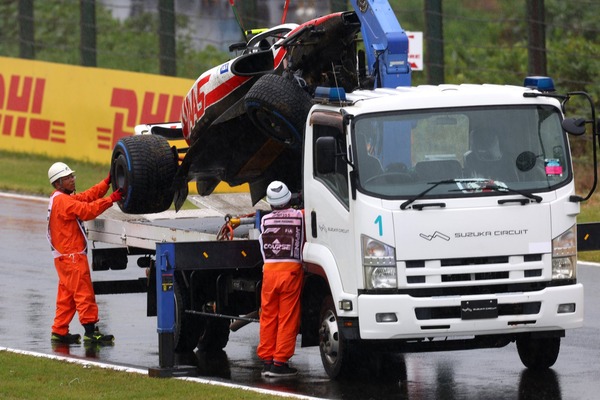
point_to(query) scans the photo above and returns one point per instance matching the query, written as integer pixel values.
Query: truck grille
(475, 275)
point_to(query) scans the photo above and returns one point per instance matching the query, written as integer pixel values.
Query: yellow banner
(80, 112)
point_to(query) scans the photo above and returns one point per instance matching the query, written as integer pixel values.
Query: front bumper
(522, 312)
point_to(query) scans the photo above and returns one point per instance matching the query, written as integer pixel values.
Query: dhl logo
(21, 100)
(155, 108)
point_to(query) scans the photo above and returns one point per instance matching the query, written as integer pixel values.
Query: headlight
(564, 255)
(379, 263)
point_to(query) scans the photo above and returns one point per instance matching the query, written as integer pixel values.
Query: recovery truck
(438, 217)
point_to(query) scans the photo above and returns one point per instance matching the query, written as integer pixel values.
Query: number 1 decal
(379, 222)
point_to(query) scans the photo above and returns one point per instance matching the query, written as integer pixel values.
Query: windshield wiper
(487, 186)
(506, 189)
(433, 186)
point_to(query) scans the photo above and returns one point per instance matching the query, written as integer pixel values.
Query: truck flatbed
(145, 230)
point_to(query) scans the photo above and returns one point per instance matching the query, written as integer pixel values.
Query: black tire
(278, 106)
(144, 167)
(539, 353)
(187, 326)
(334, 348)
(214, 335)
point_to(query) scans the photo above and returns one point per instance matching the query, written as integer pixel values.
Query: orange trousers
(280, 315)
(75, 293)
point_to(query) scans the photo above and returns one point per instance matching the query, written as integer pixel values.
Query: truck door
(327, 193)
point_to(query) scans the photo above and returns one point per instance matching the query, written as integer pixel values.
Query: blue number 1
(378, 221)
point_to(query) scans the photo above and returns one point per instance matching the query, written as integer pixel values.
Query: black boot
(93, 335)
(68, 338)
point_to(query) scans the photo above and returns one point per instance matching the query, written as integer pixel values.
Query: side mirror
(574, 126)
(325, 153)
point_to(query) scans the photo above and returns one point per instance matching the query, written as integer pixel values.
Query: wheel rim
(120, 173)
(329, 337)
(277, 127)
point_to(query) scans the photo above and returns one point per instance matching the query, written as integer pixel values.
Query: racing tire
(144, 166)
(278, 106)
(538, 354)
(334, 348)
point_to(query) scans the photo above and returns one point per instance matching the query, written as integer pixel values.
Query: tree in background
(483, 40)
(129, 45)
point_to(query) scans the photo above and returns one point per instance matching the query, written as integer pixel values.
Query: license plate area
(479, 309)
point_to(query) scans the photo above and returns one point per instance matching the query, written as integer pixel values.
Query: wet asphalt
(27, 294)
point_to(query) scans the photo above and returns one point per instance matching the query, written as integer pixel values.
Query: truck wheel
(187, 326)
(540, 353)
(214, 335)
(335, 350)
(144, 167)
(278, 106)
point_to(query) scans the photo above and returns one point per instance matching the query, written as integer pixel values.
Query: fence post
(26, 30)
(87, 21)
(434, 42)
(166, 32)
(536, 37)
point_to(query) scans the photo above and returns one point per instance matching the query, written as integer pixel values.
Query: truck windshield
(401, 155)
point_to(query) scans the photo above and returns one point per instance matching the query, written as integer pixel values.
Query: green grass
(29, 377)
(28, 174)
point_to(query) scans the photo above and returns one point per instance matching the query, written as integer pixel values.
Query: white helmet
(278, 194)
(59, 170)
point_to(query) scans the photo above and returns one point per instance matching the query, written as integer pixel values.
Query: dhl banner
(80, 112)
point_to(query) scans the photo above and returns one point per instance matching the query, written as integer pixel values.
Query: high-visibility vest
(282, 236)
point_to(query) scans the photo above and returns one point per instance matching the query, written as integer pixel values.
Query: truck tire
(214, 335)
(335, 349)
(538, 353)
(187, 326)
(278, 106)
(144, 166)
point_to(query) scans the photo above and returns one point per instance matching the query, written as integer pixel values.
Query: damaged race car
(243, 120)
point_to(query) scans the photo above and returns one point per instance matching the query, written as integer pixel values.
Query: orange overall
(281, 243)
(69, 248)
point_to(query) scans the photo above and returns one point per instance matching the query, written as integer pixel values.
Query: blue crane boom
(386, 43)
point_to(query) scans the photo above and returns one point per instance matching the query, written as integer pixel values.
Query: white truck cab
(441, 212)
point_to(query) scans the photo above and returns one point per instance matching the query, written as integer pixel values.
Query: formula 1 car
(243, 120)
